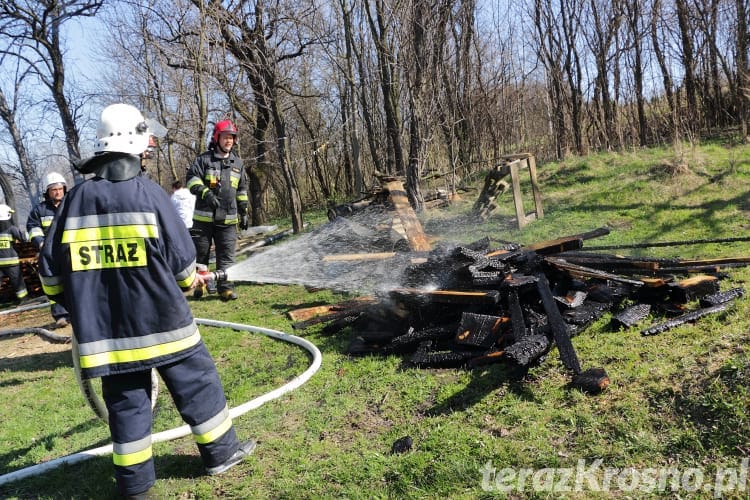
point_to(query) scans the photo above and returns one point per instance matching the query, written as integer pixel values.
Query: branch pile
(472, 305)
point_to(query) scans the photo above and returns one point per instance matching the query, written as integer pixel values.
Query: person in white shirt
(184, 202)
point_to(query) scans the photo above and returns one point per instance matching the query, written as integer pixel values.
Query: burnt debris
(473, 305)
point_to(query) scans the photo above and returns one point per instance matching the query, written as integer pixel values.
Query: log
(413, 228)
(591, 381)
(527, 350)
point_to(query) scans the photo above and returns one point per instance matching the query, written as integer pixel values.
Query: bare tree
(383, 33)
(34, 29)
(742, 96)
(9, 115)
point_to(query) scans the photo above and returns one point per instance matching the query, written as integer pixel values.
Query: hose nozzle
(217, 276)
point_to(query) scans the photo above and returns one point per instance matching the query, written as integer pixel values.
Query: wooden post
(517, 163)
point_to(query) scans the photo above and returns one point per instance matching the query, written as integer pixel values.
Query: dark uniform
(226, 179)
(10, 265)
(37, 225)
(118, 257)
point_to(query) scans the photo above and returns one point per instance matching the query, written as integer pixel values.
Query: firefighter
(10, 265)
(38, 225)
(119, 258)
(219, 183)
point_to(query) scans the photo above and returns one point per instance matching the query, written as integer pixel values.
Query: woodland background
(328, 93)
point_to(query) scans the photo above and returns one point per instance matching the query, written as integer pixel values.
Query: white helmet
(5, 212)
(52, 179)
(122, 128)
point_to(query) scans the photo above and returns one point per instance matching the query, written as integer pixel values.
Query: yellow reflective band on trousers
(212, 429)
(138, 354)
(51, 285)
(125, 454)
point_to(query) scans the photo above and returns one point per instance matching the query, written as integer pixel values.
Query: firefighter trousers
(224, 238)
(198, 394)
(15, 276)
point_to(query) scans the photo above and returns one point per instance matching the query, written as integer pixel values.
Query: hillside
(673, 421)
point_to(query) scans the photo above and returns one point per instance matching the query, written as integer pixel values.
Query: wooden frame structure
(516, 164)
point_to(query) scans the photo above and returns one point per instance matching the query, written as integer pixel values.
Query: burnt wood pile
(28, 257)
(472, 305)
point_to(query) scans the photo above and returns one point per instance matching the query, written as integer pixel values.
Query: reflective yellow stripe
(202, 218)
(194, 181)
(108, 254)
(51, 285)
(139, 354)
(132, 458)
(52, 290)
(187, 281)
(215, 433)
(110, 233)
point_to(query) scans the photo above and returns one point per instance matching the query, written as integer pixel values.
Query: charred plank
(559, 329)
(721, 297)
(685, 318)
(479, 330)
(527, 350)
(631, 316)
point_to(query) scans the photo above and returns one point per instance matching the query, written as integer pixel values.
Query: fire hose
(184, 430)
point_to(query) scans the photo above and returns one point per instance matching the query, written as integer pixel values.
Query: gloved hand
(211, 199)
(244, 221)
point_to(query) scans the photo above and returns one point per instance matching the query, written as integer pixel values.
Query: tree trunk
(743, 67)
(688, 64)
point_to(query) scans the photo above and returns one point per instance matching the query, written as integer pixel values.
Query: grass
(678, 400)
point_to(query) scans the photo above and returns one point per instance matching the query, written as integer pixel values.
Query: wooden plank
(305, 313)
(413, 228)
(344, 257)
(535, 187)
(517, 196)
(566, 243)
(448, 296)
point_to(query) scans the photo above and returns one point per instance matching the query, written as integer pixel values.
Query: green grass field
(674, 421)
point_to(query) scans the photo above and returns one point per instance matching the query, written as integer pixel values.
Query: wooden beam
(413, 228)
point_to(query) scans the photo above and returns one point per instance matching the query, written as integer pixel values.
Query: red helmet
(224, 126)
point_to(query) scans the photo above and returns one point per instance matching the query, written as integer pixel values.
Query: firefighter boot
(227, 295)
(200, 291)
(244, 450)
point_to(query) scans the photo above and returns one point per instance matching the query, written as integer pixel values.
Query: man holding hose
(119, 259)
